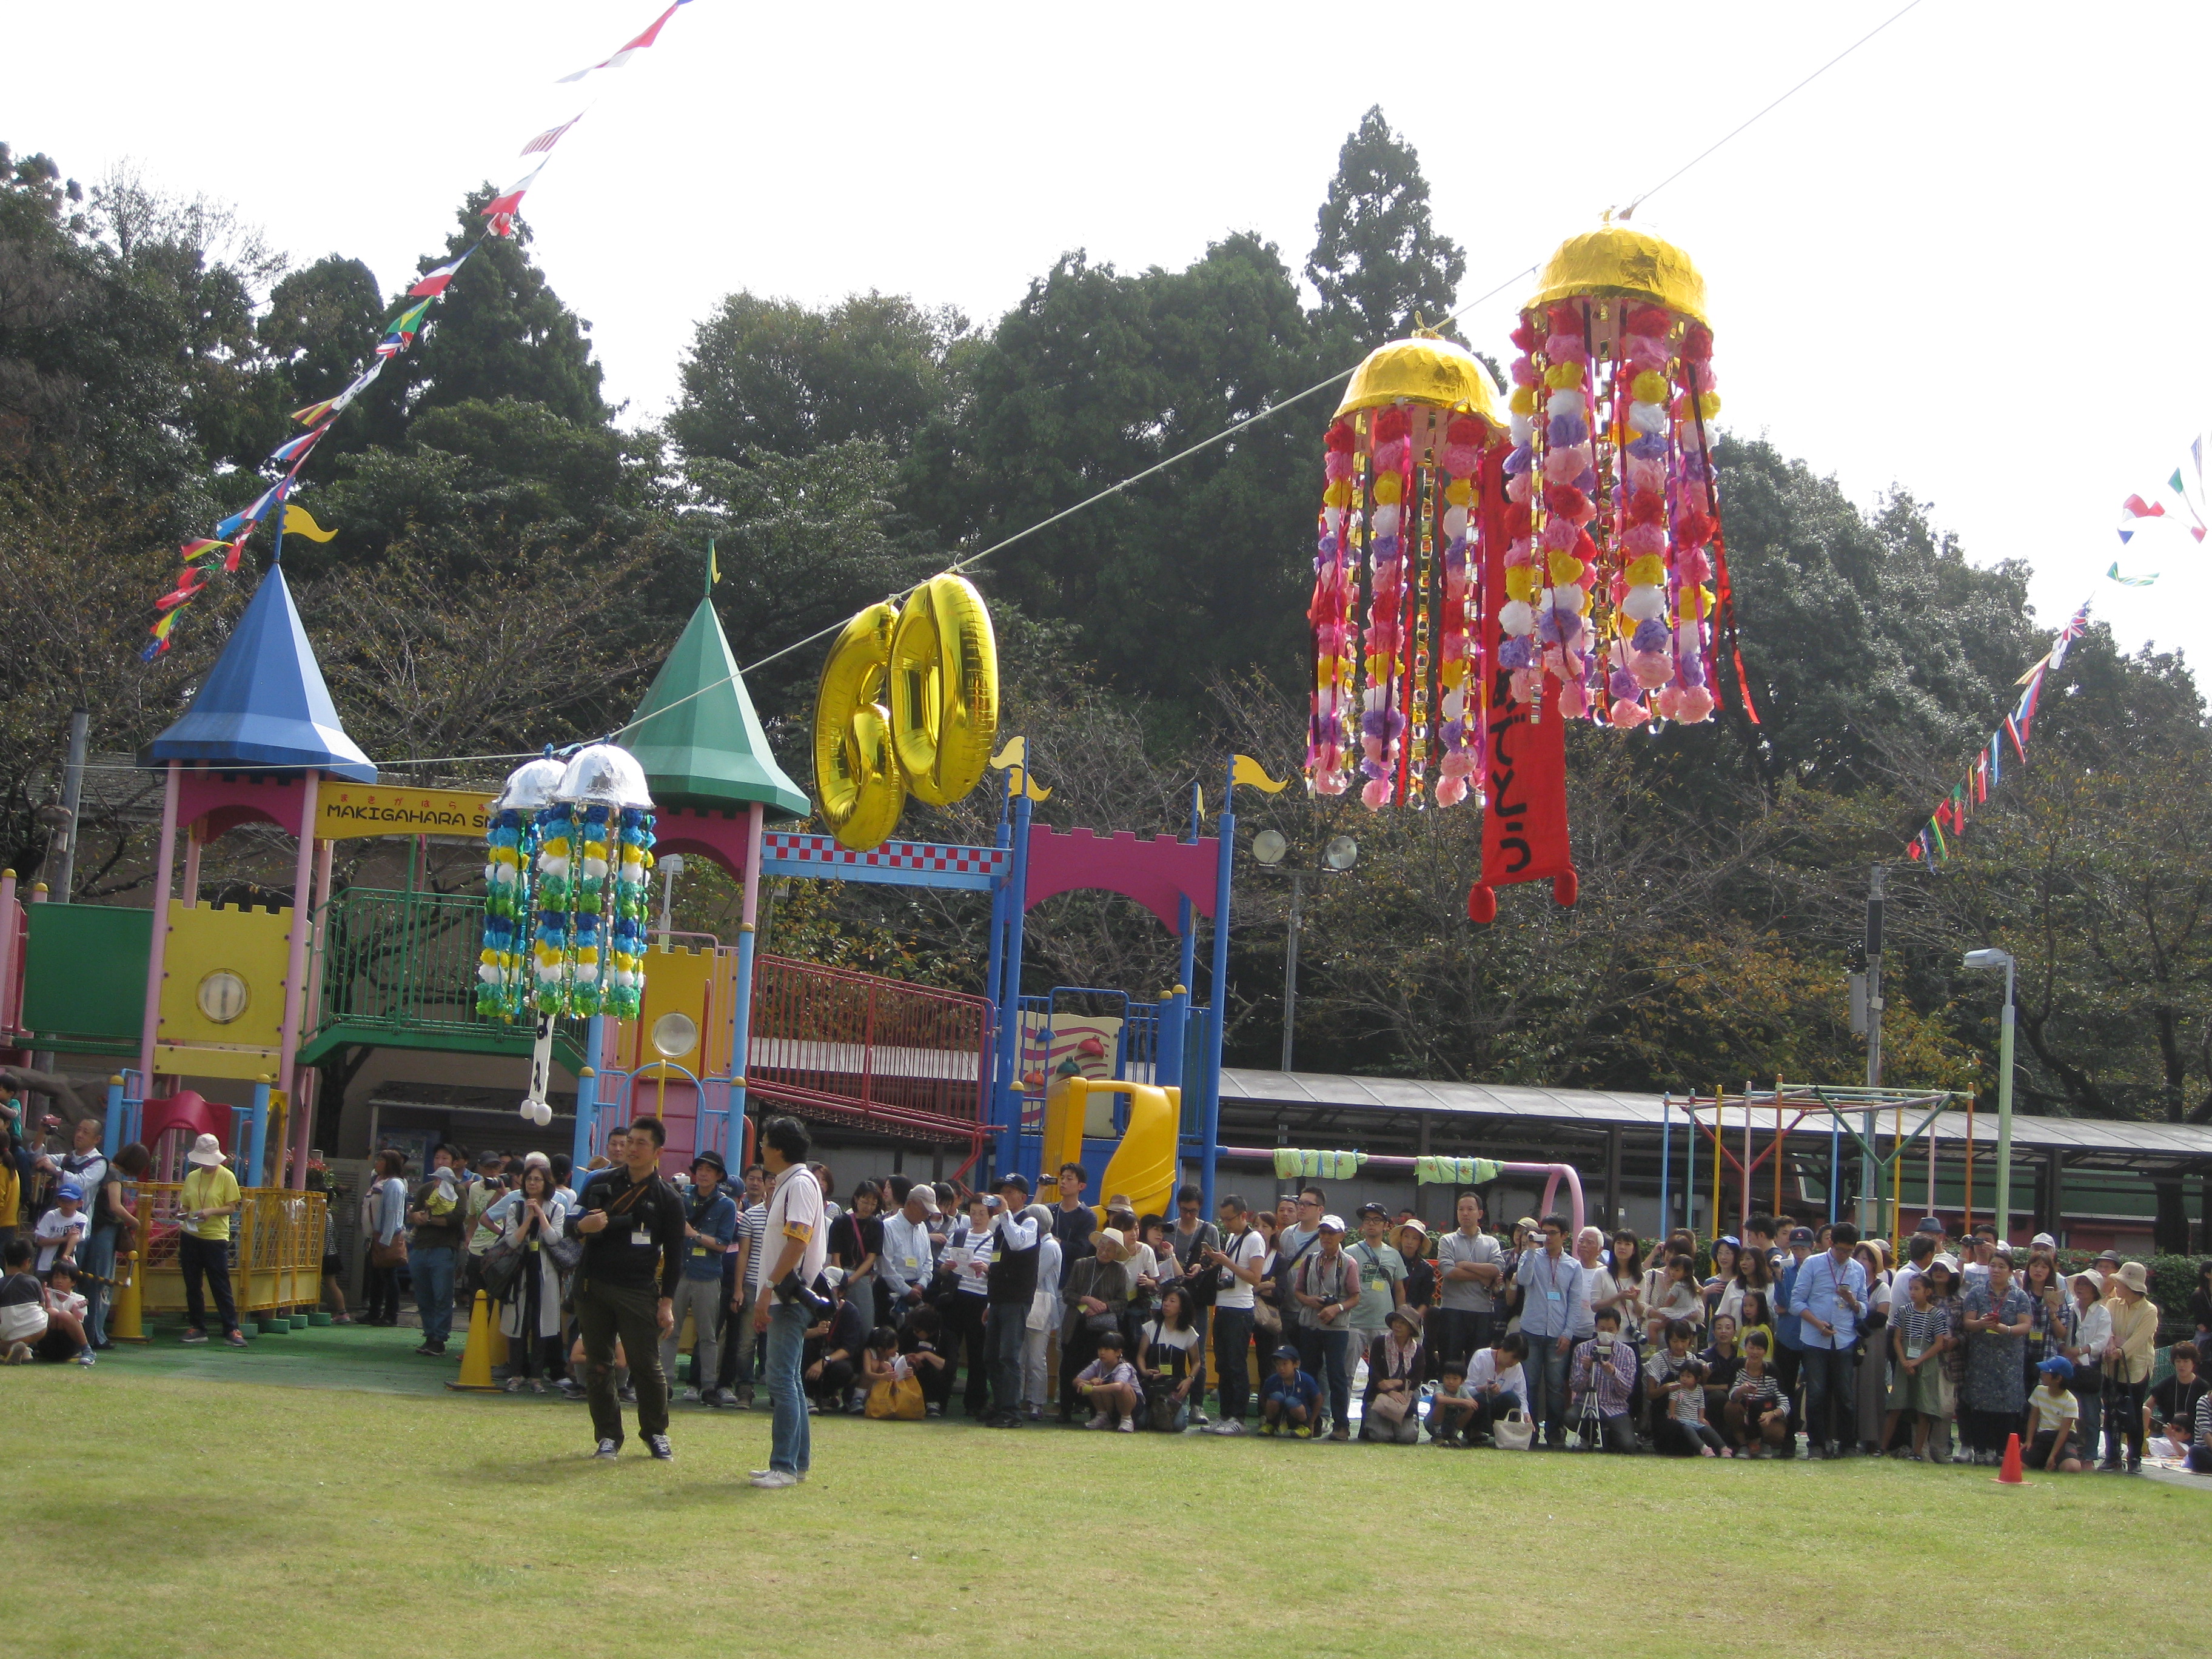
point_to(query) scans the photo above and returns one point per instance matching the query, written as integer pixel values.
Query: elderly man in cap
(1095, 1292)
(909, 1254)
(710, 1228)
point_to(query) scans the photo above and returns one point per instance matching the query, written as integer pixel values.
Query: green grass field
(168, 1506)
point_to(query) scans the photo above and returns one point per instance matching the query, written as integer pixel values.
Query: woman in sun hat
(205, 1205)
(1390, 1409)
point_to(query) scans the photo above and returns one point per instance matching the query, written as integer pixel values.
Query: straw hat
(2132, 1275)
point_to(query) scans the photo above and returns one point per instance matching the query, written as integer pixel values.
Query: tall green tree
(500, 331)
(1378, 260)
(775, 375)
(1096, 376)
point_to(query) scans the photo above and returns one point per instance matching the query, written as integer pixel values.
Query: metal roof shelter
(1617, 1136)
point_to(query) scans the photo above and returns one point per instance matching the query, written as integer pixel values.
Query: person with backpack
(1236, 1265)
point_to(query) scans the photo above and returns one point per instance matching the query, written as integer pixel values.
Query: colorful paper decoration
(1403, 483)
(1616, 571)
(568, 852)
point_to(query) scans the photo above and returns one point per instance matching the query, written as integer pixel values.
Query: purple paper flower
(1652, 448)
(1567, 430)
(1651, 635)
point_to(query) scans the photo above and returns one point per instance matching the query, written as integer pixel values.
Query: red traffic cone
(2010, 1474)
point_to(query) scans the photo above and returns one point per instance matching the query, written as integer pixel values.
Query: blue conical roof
(264, 702)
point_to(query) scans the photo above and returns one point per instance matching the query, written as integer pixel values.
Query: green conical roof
(697, 735)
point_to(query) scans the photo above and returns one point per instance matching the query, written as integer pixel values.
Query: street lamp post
(1269, 847)
(1995, 959)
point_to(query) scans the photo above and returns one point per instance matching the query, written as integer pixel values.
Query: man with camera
(1010, 1287)
(631, 1223)
(795, 1248)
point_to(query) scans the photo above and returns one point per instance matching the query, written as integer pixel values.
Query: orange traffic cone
(476, 1358)
(2010, 1475)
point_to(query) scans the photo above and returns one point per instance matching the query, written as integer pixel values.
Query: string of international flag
(220, 552)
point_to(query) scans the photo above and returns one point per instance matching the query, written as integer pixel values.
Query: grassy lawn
(165, 1510)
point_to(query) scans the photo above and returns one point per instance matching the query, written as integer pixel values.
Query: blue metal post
(112, 1141)
(1225, 827)
(741, 1044)
(1168, 1039)
(588, 1095)
(257, 1134)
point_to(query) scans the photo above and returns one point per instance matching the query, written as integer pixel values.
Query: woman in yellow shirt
(204, 1207)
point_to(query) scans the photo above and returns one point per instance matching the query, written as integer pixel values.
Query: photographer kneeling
(1601, 1382)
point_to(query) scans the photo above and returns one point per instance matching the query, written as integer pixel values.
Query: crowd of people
(913, 1296)
(913, 1299)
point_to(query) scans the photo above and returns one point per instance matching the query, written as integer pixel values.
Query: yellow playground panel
(222, 991)
(276, 1263)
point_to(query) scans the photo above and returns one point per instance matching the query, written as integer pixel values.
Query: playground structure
(1849, 1119)
(218, 1020)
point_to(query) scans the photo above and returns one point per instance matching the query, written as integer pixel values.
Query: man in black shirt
(631, 1223)
(1072, 1222)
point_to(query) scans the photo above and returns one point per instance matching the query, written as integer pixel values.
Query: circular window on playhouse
(674, 1034)
(223, 996)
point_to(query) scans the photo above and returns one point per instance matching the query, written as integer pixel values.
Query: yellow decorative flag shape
(298, 521)
(1014, 761)
(1248, 771)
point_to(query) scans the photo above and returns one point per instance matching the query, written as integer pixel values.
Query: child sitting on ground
(892, 1377)
(2055, 1413)
(29, 1328)
(1289, 1398)
(1452, 1407)
(1109, 1384)
(1686, 1432)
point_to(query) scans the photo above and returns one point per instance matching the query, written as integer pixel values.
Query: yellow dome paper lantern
(1616, 575)
(1401, 687)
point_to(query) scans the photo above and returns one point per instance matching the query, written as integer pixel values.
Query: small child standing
(1109, 1384)
(1452, 1407)
(1687, 1432)
(1289, 1398)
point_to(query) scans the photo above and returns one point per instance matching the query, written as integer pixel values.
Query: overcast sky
(1968, 261)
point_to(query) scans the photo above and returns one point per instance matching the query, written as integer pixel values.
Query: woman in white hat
(208, 1199)
(2092, 1333)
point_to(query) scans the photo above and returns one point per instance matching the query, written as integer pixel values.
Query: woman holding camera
(531, 1216)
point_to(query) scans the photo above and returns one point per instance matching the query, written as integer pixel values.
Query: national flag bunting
(552, 136)
(432, 284)
(502, 207)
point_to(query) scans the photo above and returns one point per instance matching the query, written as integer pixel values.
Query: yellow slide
(1144, 1165)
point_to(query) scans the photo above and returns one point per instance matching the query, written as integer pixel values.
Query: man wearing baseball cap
(1327, 1285)
(1010, 1282)
(710, 1225)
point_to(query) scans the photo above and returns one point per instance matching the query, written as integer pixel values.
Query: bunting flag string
(1932, 844)
(203, 556)
(2184, 499)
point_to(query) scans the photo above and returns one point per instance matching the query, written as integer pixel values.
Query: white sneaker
(1127, 1426)
(688, 1395)
(755, 1474)
(774, 1480)
(1232, 1426)
(86, 1357)
(1101, 1420)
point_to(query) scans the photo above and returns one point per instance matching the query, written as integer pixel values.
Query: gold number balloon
(909, 701)
(856, 769)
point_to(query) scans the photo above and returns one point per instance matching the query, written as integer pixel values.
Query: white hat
(206, 1150)
(1331, 1224)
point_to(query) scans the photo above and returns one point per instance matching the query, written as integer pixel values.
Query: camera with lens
(795, 1291)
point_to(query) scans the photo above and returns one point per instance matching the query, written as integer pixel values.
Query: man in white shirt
(1236, 1265)
(909, 1255)
(794, 1240)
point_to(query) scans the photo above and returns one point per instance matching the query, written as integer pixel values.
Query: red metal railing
(903, 1059)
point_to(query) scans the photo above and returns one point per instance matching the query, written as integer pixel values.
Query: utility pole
(1873, 974)
(1291, 965)
(62, 848)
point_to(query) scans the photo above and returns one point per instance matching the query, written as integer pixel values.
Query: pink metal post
(7, 950)
(295, 975)
(157, 951)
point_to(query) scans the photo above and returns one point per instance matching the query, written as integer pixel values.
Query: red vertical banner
(1524, 812)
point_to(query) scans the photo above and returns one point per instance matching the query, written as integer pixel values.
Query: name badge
(639, 1237)
(911, 1263)
(1553, 1296)
(1914, 1350)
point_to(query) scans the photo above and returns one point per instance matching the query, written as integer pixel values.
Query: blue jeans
(1003, 1333)
(98, 1256)
(432, 1271)
(791, 1445)
(1335, 1347)
(1546, 1369)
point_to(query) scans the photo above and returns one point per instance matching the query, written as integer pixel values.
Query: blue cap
(1287, 1351)
(2058, 1365)
(71, 1191)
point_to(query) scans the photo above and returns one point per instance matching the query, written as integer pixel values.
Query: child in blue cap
(2055, 1412)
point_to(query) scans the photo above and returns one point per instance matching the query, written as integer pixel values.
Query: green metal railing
(406, 964)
